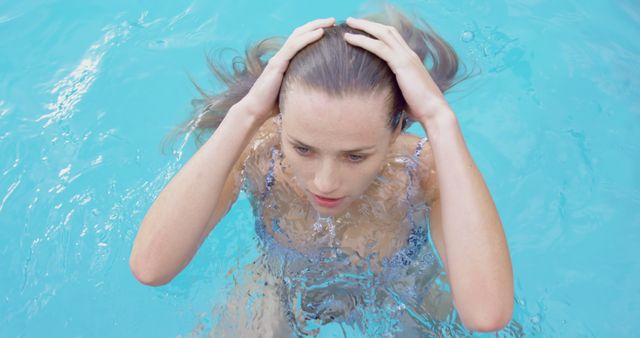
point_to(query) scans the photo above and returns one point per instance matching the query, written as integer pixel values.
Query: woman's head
(329, 65)
(334, 97)
(342, 110)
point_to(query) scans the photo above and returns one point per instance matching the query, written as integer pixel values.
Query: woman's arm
(466, 228)
(193, 201)
(198, 196)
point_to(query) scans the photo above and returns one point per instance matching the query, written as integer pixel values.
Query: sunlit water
(87, 91)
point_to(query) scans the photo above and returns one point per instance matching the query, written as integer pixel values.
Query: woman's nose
(326, 179)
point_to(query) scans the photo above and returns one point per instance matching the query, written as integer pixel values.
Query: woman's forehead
(335, 123)
(316, 107)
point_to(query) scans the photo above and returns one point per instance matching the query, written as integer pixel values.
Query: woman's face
(334, 147)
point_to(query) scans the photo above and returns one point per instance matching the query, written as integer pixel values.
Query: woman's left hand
(424, 98)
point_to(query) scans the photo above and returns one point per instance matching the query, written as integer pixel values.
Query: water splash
(323, 227)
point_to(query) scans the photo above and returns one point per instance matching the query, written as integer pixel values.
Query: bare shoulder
(408, 143)
(254, 161)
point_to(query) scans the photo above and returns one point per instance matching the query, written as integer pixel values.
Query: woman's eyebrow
(346, 151)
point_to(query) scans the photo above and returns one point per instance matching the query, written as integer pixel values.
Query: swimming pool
(88, 89)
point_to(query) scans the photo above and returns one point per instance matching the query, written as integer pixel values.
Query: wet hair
(330, 65)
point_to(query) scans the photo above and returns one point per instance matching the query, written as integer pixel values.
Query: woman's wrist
(442, 118)
(247, 112)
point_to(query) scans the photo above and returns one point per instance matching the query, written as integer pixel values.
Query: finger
(400, 39)
(293, 45)
(376, 47)
(297, 43)
(313, 25)
(380, 31)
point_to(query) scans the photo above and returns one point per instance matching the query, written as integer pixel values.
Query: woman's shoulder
(258, 154)
(408, 142)
(418, 148)
(267, 135)
(414, 147)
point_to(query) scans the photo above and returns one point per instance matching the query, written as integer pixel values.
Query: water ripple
(3, 109)
(72, 88)
(7, 18)
(10, 191)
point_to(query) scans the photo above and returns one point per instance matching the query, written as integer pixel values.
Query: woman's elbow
(145, 275)
(489, 321)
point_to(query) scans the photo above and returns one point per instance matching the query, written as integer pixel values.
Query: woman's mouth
(327, 202)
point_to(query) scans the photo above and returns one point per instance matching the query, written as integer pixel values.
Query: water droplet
(467, 36)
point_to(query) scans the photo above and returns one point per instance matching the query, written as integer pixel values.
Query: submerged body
(373, 258)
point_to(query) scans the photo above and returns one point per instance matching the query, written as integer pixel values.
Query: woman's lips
(327, 202)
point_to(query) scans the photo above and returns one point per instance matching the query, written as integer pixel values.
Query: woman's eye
(302, 150)
(356, 158)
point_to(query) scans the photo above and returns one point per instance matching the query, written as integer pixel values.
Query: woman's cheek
(300, 168)
(302, 172)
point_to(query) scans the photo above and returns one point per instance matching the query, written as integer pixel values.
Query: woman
(315, 136)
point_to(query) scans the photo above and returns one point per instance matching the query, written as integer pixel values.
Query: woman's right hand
(262, 99)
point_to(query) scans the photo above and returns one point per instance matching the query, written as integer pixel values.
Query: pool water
(88, 90)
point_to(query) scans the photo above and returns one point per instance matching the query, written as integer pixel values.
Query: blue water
(88, 89)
